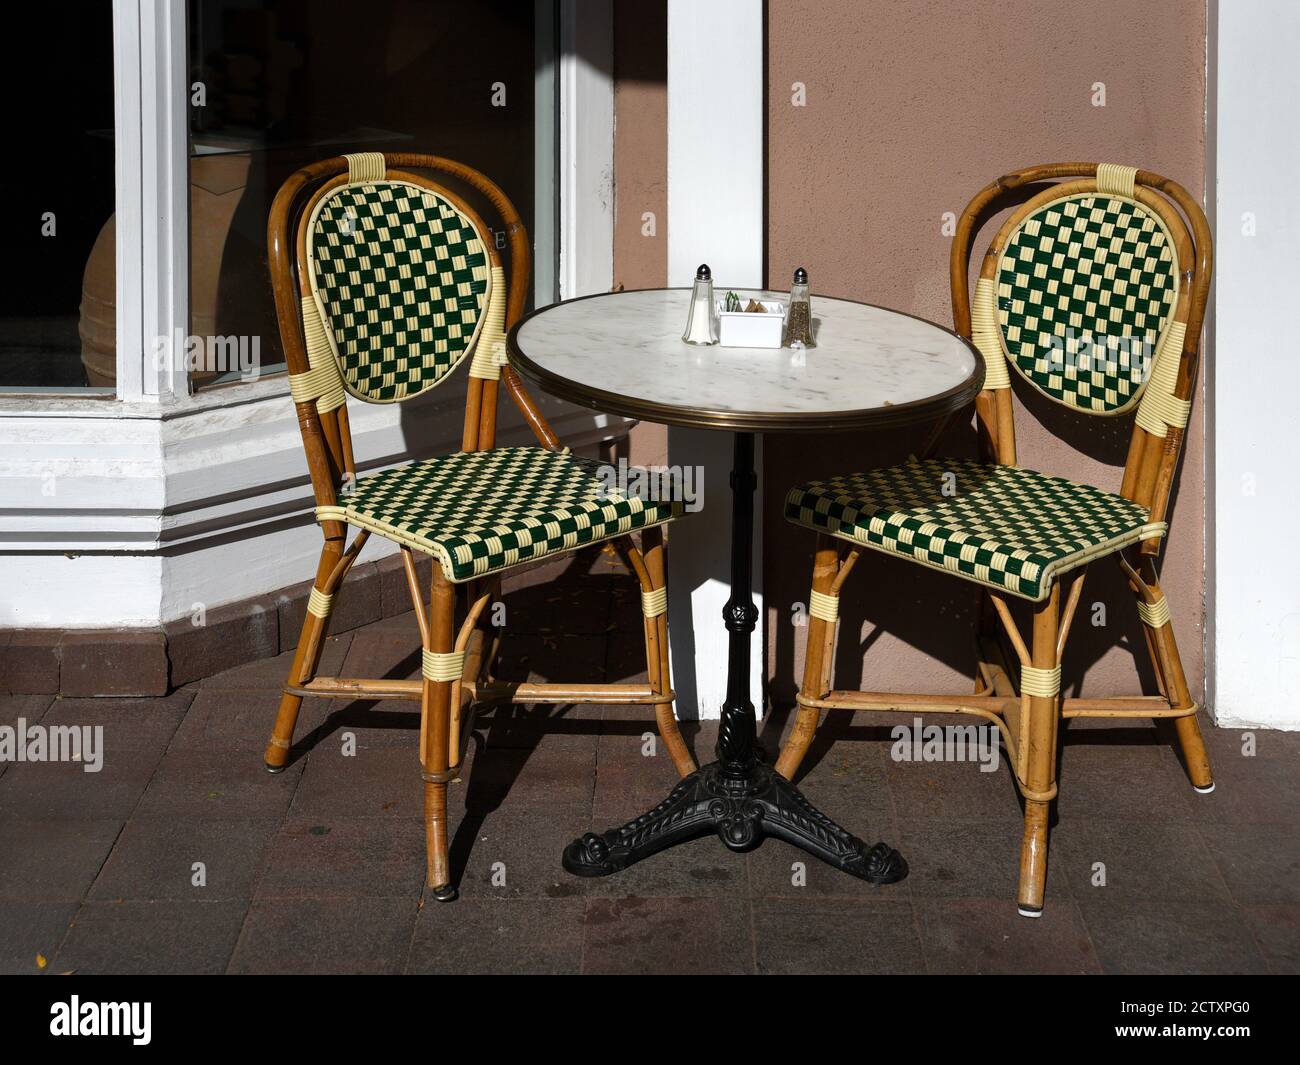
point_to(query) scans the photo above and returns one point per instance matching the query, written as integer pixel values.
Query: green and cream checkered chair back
(400, 285)
(1083, 297)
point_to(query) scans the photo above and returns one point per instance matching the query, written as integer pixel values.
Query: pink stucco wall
(911, 108)
(641, 170)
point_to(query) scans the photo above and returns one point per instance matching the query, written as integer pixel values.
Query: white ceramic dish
(738, 329)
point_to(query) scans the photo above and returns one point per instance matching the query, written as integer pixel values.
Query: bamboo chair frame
(1013, 685)
(447, 704)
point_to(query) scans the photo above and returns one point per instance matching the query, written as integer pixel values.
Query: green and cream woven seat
(1006, 527)
(478, 512)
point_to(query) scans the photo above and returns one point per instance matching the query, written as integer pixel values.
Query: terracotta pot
(217, 187)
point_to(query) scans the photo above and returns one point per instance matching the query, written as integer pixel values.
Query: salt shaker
(798, 317)
(699, 321)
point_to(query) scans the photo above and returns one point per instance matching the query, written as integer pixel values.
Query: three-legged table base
(742, 813)
(738, 796)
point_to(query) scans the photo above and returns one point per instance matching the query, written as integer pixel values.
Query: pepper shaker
(798, 317)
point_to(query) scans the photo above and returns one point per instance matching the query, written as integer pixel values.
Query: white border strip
(715, 215)
(164, 193)
(586, 147)
(1256, 619)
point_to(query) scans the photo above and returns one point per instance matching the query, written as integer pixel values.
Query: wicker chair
(384, 284)
(1101, 253)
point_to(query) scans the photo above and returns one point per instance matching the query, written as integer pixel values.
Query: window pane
(58, 303)
(284, 84)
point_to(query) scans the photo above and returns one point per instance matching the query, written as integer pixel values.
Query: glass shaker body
(798, 316)
(700, 327)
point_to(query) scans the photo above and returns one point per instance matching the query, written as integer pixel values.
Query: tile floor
(320, 869)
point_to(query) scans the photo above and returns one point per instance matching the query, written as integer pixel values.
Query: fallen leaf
(41, 962)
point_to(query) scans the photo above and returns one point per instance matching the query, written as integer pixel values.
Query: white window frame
(152, 115)
(586, 147)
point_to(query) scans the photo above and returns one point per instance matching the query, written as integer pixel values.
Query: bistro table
(871, 367)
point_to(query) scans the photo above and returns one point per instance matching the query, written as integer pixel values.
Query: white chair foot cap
(1030, 911)
(1203, 791)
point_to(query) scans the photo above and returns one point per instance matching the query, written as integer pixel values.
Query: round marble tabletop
(622, 352)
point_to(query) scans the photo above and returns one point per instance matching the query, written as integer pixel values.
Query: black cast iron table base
(738, 797)
(742, 813)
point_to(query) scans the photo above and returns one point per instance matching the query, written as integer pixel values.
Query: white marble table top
(622, 352)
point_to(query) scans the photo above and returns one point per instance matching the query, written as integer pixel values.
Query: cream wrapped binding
(319, 603)
(1041, 682)
(322, 382)
(826, 607)
(1154, 614)
(1160, 409)
(366, 167)
(490, 349)
(987, 335)
(654, 603)
(442, 666)
(1115, 179)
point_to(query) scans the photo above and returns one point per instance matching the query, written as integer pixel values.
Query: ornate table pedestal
(737, 797)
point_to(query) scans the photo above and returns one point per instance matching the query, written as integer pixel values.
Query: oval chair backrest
(1086, 287)
(402, 281)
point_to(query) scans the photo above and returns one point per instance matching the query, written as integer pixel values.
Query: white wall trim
(1256, 507)
(586, 147)
(715, 215)
(715, 166)
(129, 521)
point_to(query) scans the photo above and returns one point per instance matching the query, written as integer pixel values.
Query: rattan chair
(1094, 291)
(385, 282)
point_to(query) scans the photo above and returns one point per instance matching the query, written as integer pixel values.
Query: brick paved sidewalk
(320, 869)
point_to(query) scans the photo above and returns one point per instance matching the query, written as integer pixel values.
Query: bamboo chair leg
(656, 650)
(1168, 666)
(305, 661)
(1188, 729)
(1040, 761)
(816, 667)
(480, 655)
(311, 642)
(435, 742)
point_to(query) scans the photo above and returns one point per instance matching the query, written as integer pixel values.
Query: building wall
(911, 108)
(641, 170)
